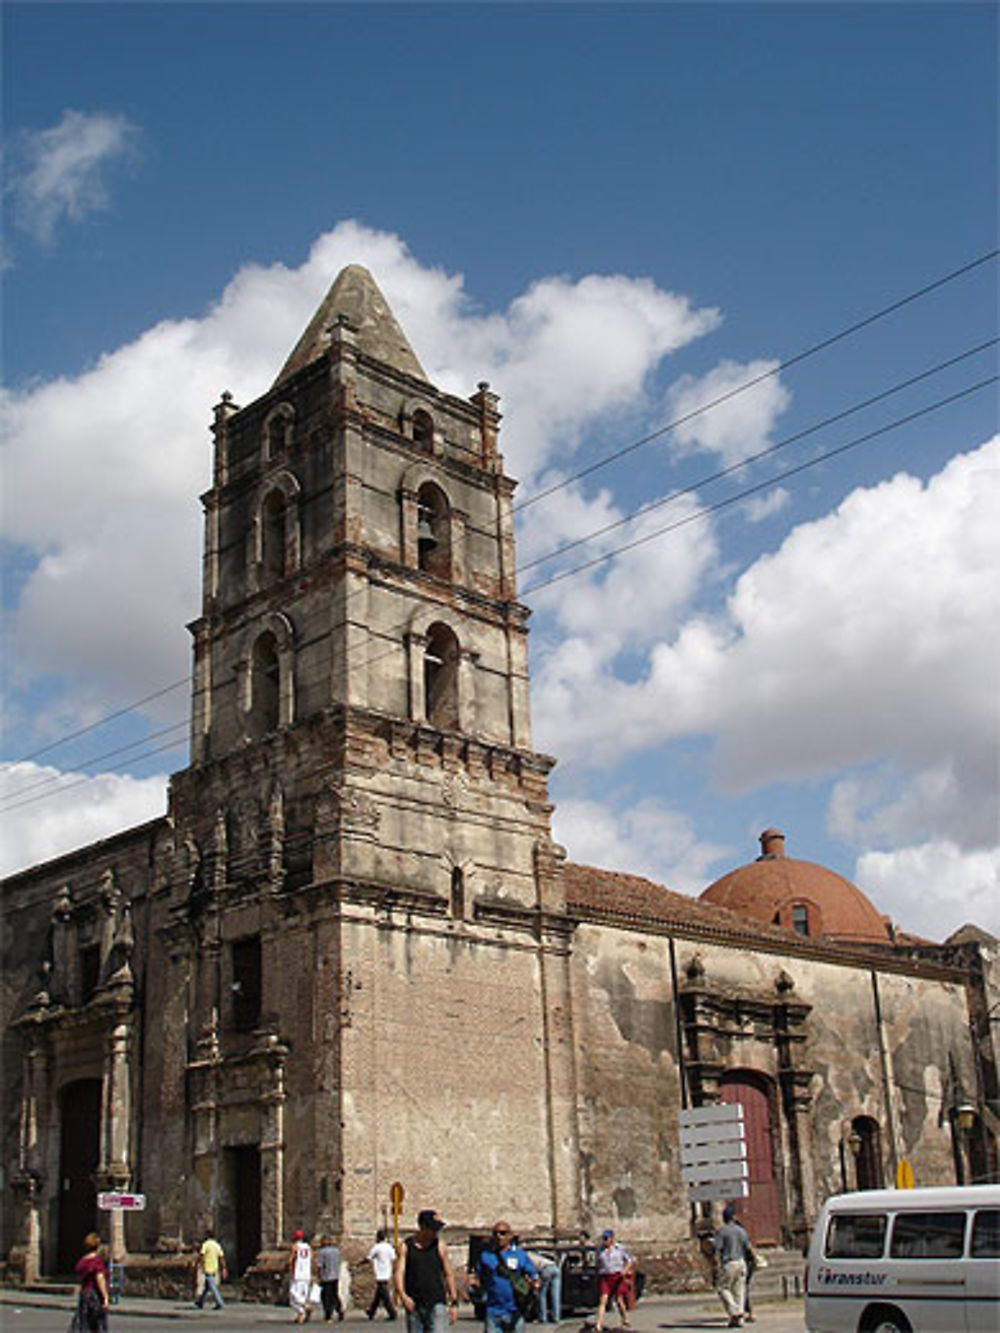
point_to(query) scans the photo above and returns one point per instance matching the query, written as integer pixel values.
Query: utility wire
(108, 717)
(394, 645)
(757, 379)
(87, 777)
(755, 458)
(762, 486)
(604, 462)
(401, 625)
(95, 759)
(639, 541)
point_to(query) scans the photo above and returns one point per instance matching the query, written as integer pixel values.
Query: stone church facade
(351, 954)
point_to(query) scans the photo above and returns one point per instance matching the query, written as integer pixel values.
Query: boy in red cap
(300, 1268)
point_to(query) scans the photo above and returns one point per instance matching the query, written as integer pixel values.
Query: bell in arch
(425, 530)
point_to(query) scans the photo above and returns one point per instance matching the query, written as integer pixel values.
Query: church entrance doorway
(79, 1154)
(759, 1213)
(243, 1224)
(868, 1159)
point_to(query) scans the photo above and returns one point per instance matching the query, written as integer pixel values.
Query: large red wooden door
(759, 1212)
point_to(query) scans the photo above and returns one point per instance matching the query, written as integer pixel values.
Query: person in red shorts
(615, 1267)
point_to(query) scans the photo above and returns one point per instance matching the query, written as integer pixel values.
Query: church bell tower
(363, 800)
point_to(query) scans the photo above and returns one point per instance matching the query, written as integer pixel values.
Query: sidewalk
(648, 1315)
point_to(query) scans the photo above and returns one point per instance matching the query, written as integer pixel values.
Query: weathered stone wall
(629, 1086)
(629, 1079)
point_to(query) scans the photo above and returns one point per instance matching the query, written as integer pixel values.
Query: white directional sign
(136, 1202)
(719, 1189)
(713, 1152)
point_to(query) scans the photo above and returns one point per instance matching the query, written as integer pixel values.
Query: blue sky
(614, 213)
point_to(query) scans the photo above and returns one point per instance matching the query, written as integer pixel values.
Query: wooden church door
(759, 1212)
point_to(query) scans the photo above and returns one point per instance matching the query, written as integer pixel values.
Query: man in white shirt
(300, 1267)
(382, 1257)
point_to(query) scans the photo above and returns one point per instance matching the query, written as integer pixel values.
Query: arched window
(277, 431)
(433, 531)
(265, 685)
(423, 430)
(441, 657)
(457, 893)
(864, 1142)
(273, 536)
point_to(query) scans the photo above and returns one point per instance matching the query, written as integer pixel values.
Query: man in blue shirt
(500, 1267)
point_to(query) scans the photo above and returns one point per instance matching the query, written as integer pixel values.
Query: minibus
(906, 1261)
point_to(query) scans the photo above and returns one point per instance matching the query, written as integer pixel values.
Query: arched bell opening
(441, 657)
(433, 531)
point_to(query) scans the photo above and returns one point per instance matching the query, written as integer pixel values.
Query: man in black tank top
(425, 1283)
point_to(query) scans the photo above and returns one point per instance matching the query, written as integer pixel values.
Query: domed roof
(808, 898)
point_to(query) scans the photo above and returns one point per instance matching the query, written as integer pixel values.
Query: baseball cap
(427, 1217)
(607, 1235)
(298, 1235)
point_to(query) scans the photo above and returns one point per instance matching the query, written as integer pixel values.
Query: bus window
(986, 1234)
(928, 1236)
(856, 1236)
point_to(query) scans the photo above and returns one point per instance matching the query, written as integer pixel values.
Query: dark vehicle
(579, 1274)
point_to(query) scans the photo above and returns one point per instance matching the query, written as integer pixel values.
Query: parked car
(579, 1274)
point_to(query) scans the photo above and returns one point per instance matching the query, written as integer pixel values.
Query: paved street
(39, 1313)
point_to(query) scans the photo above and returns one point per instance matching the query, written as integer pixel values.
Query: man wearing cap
(501, 1268)
(300, 1268)
(614, 1268)
(731, 1246)
(425, 1283)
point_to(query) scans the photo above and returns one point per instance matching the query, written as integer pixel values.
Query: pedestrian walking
(213, 1266)
(731, 1247)
(615, 1267)
(301, 1276)
(507, 1279)
(755, 1260)
(425, 1284)
(382, 1256)
(548, 1266)
(92, 1304)
(328, 1275)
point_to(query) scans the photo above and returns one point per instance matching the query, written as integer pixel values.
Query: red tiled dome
(807, 897)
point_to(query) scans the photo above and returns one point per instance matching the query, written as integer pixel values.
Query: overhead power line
(87, 777)
(55, 779)
(756, 457)
(604, 462)
(762, 486)
(873, 318)
(102, 722)
(628, 546)
(394, 646)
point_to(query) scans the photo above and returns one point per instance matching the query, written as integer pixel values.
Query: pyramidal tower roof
(355, 294)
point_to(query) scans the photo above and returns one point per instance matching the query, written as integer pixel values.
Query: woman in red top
(92, 1309)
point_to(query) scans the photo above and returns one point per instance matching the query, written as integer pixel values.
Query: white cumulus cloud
(934, 887)
(868, 637)
(73, 813)
(60, 172)
(740, 421)
(103, 469)
(647, 838)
